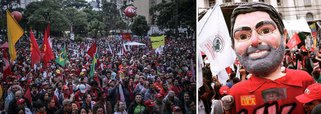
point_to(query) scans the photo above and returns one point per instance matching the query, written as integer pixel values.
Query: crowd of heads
(132, 80)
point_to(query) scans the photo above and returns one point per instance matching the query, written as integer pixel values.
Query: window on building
(279, 2)
(309, 17)
(307, 2)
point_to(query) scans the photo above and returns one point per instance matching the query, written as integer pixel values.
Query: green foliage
(40, 13)
(78, 39)
(111, 16)
(66, 15)
(77, 20)
(165, 17)
(139, 26)
(95, 28)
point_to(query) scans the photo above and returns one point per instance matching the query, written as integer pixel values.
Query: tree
(165, 17)
(77, 20)
(111, 16)
(40, 13)
(139, 26)
(95, 28)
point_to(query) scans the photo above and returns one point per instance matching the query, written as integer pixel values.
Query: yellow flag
(14, 33)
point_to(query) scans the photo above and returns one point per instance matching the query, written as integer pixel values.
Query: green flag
(92, 67)
(62, 57)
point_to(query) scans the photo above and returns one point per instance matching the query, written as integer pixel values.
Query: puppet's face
(258, 43)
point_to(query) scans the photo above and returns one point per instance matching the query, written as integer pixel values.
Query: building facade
(288, 9)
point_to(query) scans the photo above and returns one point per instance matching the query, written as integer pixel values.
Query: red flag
(126, 36)
(295, 40)
(49, 55)
(28, 95)
(228, 70)
(92, 50)
(6, 66)
(34, 50)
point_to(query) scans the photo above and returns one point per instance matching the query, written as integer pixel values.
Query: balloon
(17, 15)
(130, 11)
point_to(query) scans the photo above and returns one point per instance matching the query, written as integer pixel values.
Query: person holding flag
(92, 53)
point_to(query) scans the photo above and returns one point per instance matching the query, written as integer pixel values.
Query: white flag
(200, 65)
(214, 41)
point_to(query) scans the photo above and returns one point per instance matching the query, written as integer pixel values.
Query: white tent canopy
(134, 43)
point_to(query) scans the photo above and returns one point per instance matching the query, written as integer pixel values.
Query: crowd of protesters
(136, 80)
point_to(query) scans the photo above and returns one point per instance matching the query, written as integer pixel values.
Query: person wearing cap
(80, 94)
(311, 97)
(21, 104)
(158, 101)
(14, 103)
(259, 44)
(150, 107)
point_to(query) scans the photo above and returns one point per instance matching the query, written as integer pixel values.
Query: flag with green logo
(92, 67)
(62, 57)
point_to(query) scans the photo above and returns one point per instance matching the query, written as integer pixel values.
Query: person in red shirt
(259, 37)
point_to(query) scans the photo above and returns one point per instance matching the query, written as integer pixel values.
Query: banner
(157, 41)
(215, 42)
